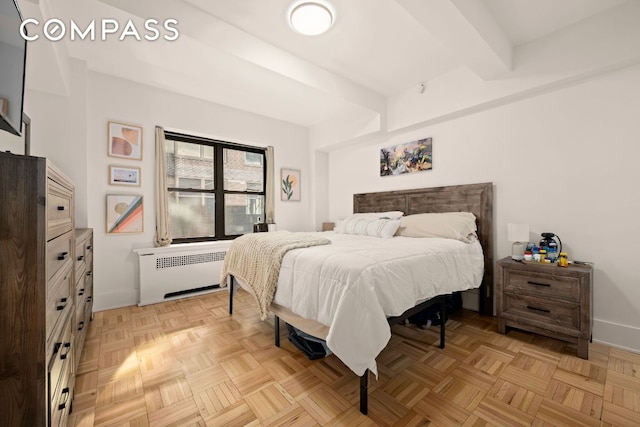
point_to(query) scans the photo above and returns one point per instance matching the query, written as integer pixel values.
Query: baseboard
(616, 335)
(113, 300)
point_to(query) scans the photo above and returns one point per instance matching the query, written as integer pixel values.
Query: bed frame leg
(443, 314)
(277, 328)
(364, 392)
(231, 295)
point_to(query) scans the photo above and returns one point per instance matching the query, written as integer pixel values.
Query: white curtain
(163, 235)
(270, 190)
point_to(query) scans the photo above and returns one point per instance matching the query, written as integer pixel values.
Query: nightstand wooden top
(545, 268)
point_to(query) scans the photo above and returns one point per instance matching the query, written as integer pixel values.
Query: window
(253, 159)
(216, 189)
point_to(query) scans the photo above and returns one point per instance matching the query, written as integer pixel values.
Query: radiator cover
(179, 271)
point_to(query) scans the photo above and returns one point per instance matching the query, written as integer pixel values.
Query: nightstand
(546, 299)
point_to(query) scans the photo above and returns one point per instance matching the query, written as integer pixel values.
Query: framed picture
(124, 175)
(414, 156)
(290, 185)
(125, 141)
(124, 213)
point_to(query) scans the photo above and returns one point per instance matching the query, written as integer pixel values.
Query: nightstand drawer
(548, 313)
(543, 285)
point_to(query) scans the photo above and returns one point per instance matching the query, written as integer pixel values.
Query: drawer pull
(539, 284)
(544, 310)
(89, 298)
(89, 273)
(63, 256)
(89, 247)
(81, 292)
(66, 399)
(81, 326)
(65, 354)
(61, 208)
(63, 304)
(81, 257)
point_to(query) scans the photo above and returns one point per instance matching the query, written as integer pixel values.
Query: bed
(339, 308)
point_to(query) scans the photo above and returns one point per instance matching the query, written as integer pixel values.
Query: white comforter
(355, 283)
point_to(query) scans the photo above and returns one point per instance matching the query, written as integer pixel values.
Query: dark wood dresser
(37, 287)
(546, 299)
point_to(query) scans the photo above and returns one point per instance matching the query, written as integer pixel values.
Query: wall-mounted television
(13, 55)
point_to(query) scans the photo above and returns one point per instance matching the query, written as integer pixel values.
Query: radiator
(179, 271)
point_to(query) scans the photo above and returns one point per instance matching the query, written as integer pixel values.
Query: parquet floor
(188, 362)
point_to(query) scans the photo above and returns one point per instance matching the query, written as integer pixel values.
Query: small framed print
(125, 141)
(124, 175)
(290, 185)
(124, 213)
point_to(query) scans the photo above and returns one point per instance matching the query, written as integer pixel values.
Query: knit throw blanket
(256, 259)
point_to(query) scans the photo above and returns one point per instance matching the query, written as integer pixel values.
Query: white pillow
(451, 225)
(374, 227)
(388, 214)
(339, 228)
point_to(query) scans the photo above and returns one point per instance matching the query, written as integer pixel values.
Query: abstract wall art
(125, 141)
(414, 156)
(124, 213)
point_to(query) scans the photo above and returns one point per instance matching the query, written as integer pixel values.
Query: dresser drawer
(543, 285)
(59, 302)
(80, 260)
(81, 323)
(59, 209)
(545, 313)
(61, 396)
(61, 355)
(80, 337)
(81, 320)
(88, 250)
(58, 254)
(88, 283)
(88, 309)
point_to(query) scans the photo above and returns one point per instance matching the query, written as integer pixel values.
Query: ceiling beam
(469, 30)
(213, 32)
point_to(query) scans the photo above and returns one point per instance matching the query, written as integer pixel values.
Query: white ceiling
(242, 53)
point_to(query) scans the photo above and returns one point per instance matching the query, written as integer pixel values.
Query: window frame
(218, 182)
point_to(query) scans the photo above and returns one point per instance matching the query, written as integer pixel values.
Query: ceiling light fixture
(311, 18)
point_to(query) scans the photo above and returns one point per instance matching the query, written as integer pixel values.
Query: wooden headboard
(474, 198)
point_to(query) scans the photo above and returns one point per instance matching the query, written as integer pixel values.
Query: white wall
(110, 98)
(320, 202)
(12, 143)
(59, 133)
(564, 162)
